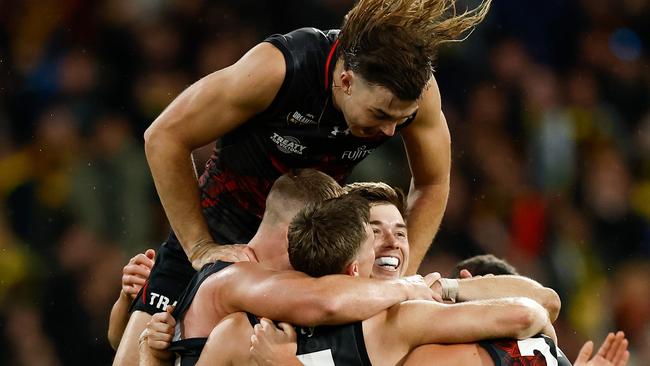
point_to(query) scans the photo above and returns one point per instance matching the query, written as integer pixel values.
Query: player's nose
(388, 129)
(389, 241)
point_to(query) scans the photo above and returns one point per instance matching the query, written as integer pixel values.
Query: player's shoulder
(305, 39)
(213, 273)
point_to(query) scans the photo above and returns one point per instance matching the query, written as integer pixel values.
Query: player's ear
(347, 77)
(353, 268)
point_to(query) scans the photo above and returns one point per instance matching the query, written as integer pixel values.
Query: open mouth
(388, 263)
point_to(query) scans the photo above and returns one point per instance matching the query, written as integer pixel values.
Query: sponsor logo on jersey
(288, 144)
(160, 301)
(338, 132)
(360, 153)
(300, 119)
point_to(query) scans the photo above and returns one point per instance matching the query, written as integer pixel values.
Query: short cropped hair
(294, 190)
(325, 237)
(481, 265)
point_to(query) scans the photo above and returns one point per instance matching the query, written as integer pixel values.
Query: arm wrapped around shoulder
(526, 316)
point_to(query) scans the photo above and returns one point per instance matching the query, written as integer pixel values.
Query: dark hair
(393, 43)
(378, 192)
(325, 237)
(481, 265)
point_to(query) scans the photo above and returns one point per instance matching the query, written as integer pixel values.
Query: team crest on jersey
(300, 119)
(360, 153)
(288, 144)
(338, 132)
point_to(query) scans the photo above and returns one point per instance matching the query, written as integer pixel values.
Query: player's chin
(385, 273)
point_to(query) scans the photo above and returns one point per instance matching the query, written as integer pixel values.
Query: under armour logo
(337, 132)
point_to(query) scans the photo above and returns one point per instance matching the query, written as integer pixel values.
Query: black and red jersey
(535, 351)
(300, 129)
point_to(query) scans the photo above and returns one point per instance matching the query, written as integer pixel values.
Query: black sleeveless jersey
(189, 350)
(300, 129)
(535, 351)
(336, 345)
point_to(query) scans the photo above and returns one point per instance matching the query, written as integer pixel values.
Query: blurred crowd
(547, 103)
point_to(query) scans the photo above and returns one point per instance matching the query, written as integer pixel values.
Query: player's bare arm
(226, 345)
(506, 286)
(428, 147)
(268, 346)
(296, 298)
(403, 327)
(208, 109)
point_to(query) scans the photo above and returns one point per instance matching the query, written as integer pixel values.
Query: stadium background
(547, 103)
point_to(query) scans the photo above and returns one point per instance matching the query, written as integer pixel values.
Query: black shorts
(169, 276)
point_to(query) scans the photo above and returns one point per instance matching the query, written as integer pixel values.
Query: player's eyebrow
(383, 114)
(379, 222)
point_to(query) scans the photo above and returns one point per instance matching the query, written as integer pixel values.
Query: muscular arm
(424, 322)
(228, 343)
(296, 298)
(507, 286)
(205, 111)
(428, 147)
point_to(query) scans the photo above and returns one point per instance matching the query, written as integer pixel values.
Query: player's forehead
(379, 98)
(385, 214)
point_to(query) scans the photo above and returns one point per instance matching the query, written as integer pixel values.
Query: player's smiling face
(371, 110)
(391, 241)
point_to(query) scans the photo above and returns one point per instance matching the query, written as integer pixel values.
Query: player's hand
(157, 336)
(136, 273)
(465, 274)
(418, 287)
(272, 346)
(161, 329)
(212, 252)
(433, 281)
(613, 352)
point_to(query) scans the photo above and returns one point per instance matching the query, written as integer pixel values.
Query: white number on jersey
(527, 347)
(320, 358)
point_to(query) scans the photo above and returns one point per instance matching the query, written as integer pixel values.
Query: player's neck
(270, 245)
